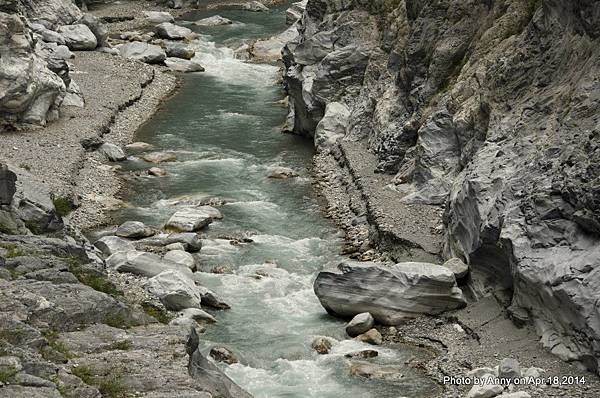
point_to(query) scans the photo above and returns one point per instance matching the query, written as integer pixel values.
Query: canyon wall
(487, 109)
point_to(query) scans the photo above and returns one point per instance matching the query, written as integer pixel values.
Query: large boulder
(134, 230)
(177, 50)
(215, 20)
(156, 17)
(175, 290)
(168, 30)
(97, 27)
(183, 65)
(142, 263)
(112, 152)
(255, 6)
(148, 53)
(110, 245)
(391, 294)
(78, 37)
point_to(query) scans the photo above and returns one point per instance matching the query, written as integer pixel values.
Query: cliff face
(488, 109)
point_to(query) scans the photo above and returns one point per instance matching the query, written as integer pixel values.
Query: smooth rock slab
(134, 230)
(177, 50)
(183, 65)
(360, 324)
(181, 257)
(142, 263)
(175, 290)
(390, 294)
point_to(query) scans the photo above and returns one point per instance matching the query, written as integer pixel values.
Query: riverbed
(224, 125)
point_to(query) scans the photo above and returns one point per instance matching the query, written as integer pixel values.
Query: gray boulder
(190, 241)
(156, 17)
(222, 354)
(134, 230)
(144, 52)
(142, 263)
(50, 36)
(183, 65)
(97, 27)
(192, 219)
(175, 290)
(112, 152)
(360, 324)
(168, 30)
(255, 6)
(110, 245)
(509, 368)
(458, 267)
(78, 37)
(215, 20)
(391, 294)
(181, 257)
(177, 50)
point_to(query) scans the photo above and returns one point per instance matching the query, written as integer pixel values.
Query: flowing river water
(225, 129)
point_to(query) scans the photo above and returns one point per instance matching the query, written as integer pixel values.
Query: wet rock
(360, 324)
(282, 173)
(112, 152)
(159, 157)
(138, 146)
(183, 65)
(458, 267)
(222, 354)
(189, 239)
(181, 257)
(157, 172)
(255, 6)
(509, 368)
(198, 315)
(134, 230)
(215, 20)
(168, 30)
(144, 52)
(390, 294)
(156, 17)
(177, 50)
(322, 345)
(371, 337)
(364, 354)
(142, 263)
(376, 372)
(110, 245)
(78, 37)
(192, 219)
(175, 290)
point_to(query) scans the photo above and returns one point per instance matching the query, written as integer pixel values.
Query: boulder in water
(373, 371)
(177, 50)
(181, 257)
(215, 20)
(144, 52)
(156, 17)
(193, 219)
(157, 172)
(142, 263)
(390, 293)
(322, 345)
(159, 157)
(281, 173)
(371, 336)
(222, 354)
(134, 230)
(255, 6)
(183, 65)
(168, 30)
(175, 290)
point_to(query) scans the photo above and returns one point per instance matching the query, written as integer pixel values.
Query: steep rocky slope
(485, 112)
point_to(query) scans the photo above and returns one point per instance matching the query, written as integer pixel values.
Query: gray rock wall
(489, 109)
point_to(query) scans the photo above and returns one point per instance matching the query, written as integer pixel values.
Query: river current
(224, 126)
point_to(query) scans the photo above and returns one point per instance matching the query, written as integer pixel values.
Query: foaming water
(223, 127)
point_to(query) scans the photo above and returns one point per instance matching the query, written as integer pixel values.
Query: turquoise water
(225, 129)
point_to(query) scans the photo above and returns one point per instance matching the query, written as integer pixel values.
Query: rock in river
(215, 20)
(360, 324)
(134, 230)
(222, 354)
(183, 65)
(159, 157)
(167, 30)
(175, 290)
(142, 263)
(112, 152)
(391, 294)
(193, 219)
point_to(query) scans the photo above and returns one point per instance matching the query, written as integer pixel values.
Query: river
(224, 126)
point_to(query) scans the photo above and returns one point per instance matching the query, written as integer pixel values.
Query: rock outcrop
(390, 294)
(486, 108)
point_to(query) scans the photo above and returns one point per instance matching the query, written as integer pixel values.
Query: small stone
(222, 354)
(364, 354)
(157, 172)
(360, 324)
(371, 337)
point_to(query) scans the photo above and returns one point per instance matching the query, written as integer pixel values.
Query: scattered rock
(222, 354)
(138, 146)
(112, 152)
(110, 245)
(168, 30)
(360, 324)
(322, 345)
(134, 230)
(458, 267)
(192, 219)
(157, 172)
(215, 20)
(78, 37)
(142, 263)
(364, 354)
(178, 50)
(144, 52)
(371, 337)
(183, 65)
(175, 290)
(181, 257)
(157, 17)
(255, 6)
(159, 157)
(282, 173)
